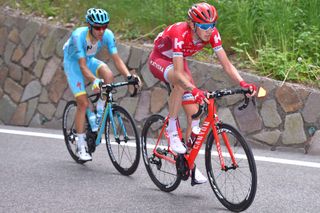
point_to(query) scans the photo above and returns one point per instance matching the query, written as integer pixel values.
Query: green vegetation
(278, 39)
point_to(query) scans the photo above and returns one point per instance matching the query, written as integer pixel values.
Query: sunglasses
(103, 27)
(206, 26)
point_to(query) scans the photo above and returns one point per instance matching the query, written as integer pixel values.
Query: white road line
(286, 161)
(257, 158)
(36, 134)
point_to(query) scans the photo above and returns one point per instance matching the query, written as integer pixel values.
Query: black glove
(133, 80)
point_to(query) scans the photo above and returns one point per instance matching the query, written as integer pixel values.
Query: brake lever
(253, 99)
(133, 80)
(245, 104)
(134, 91)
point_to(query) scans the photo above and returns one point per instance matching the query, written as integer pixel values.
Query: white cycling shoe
(176, 144)
(197, 177)
(83, 154)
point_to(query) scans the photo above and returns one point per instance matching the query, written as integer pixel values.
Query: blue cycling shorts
(74, 74)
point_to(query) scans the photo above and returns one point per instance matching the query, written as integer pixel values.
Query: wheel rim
(163, 171)
(69, 129)
(233, 185)
(123, 147)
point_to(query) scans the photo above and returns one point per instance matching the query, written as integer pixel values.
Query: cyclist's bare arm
(121, 67)
(179, 74)
(85, 70)
(227, 66)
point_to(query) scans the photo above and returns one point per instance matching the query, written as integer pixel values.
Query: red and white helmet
(203, 13)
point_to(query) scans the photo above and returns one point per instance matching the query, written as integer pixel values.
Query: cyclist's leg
(77, 86)
(100, 70)
(189, 105)
(82, 105)
(190, 108)
(162, 68)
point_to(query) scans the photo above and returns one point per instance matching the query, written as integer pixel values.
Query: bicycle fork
(116, 135)
(226, 141)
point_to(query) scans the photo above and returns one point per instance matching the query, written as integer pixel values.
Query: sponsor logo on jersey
(158, 66)
(178, 44)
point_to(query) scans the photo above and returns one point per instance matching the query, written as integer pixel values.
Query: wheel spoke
(68, 120)
(125, 150)
(162, 172)
(236, 186)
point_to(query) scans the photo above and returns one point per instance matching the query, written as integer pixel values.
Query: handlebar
(107, 88)
(225, 92)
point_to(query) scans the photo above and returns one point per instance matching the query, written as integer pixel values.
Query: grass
(278, 39)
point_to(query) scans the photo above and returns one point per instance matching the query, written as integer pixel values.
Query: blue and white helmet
(97, 16)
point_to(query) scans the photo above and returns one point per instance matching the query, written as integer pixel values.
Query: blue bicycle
(122, 139)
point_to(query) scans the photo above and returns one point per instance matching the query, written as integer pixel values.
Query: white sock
(172, 126)
(195, 123)
(81, 139)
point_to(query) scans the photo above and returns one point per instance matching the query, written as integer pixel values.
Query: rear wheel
(235, 187)
(159, 162)
(69, 131)
(124, 145)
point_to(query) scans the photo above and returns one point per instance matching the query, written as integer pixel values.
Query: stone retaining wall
(34, 90)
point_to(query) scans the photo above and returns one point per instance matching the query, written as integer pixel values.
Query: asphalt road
(38, 175)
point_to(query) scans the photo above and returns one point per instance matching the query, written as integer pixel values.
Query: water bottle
(92, 120)
(100, 109)
(193, 137)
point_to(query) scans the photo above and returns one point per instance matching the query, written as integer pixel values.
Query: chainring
(91, 141)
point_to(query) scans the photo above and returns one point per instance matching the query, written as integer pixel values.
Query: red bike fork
(213, 114)
(217, 140)
(226, 142)
(218, 145)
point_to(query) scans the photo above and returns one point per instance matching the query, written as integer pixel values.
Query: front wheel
(69, 131)
(123, 142)
(236, 185)
(158, 159)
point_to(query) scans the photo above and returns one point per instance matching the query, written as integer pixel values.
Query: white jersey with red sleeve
(176, 41)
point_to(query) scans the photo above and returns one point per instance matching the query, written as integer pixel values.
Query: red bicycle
(229, 161)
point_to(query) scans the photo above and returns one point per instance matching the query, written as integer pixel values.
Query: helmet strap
(195, 30)
(194, 27)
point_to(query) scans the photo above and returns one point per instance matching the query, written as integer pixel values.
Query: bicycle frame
(108, 113)
(210, 122)
(232, 180)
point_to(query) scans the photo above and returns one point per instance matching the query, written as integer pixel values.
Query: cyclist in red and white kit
(167, 62)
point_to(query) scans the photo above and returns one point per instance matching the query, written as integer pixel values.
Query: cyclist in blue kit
(80, 64)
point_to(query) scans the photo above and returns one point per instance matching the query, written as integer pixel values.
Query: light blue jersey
(79, 46)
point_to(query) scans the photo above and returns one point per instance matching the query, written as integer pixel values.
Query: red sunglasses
(103, 27)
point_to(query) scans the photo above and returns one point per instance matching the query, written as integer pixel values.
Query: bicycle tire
(158, 168)
(68, 127)
(220, 179)
(125, 153)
